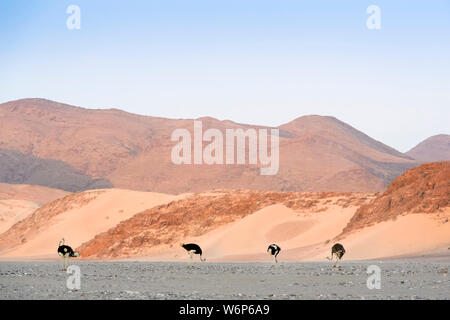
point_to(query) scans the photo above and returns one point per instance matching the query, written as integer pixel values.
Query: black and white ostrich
(338, 251)
(192, 249)
(274, 250)
(66, 252)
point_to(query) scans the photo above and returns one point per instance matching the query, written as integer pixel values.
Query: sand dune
(157, 231)
(17, 201)
(410, 218)
(275, 224)
(80, 224)
(247, 239)
(38, 194)
(303, 234)
(409, 235)
(12, 211)
(306, 237)
(423, 189)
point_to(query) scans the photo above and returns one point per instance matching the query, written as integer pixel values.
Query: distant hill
(317, 153)
(19, 168)
(435, 148)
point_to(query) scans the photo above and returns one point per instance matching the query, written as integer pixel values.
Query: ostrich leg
(191, 256)
(336, 265)
(339, 256)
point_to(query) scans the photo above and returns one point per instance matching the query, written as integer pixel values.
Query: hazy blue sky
(257, 62)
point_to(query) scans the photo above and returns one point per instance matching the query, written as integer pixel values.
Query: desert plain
(406, 279)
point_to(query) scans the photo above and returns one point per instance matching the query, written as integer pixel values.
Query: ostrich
(339, 251)
(274, 250)
(192, 249)
(66, 252)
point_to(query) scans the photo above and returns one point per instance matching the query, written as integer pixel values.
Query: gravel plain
(399, 279)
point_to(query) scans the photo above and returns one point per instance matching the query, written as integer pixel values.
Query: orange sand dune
(17, 201)
(275, 224)
(247, 239)
(37, 194)
(12, 211)
(81, 223)
(232, 225)
(414, 234)
(306, 238)
(157, 230)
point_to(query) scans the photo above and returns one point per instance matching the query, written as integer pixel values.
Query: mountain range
(47, 143)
